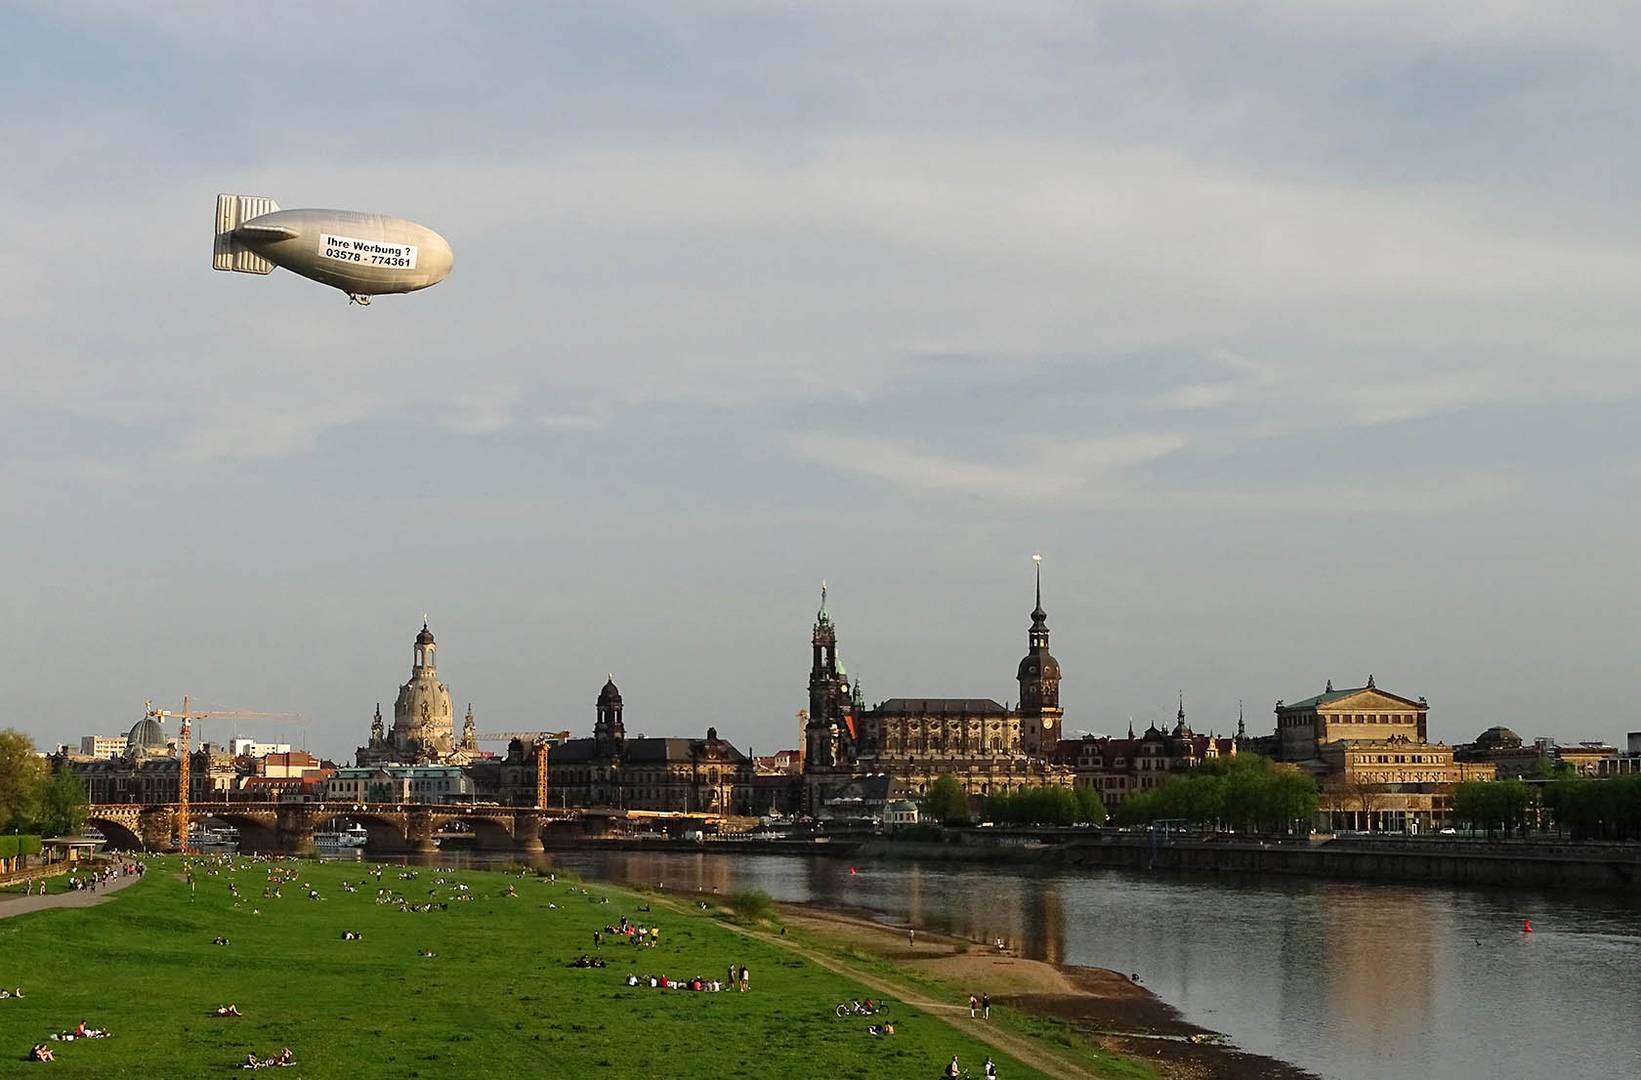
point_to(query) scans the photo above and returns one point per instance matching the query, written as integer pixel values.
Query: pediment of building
(1371, 700)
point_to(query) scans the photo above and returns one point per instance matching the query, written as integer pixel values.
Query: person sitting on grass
(426, 952)
(881, 1029)
(219, 941)
(352, 935)
(227, 1010)
(954, 1069)
(632, 980)
(41, 1052)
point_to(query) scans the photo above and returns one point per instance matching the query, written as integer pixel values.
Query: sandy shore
(1104, 1006)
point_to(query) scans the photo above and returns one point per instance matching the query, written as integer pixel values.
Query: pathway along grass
(498, 999)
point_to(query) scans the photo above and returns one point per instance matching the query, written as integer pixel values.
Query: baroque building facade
(677, 775)
(1116, 768)
(423, 731)
(907, 742)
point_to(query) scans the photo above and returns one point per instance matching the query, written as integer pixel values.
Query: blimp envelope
(362, 254)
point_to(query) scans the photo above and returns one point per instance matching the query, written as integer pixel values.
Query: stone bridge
(392, 828)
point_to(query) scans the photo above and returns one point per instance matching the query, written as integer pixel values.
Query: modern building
(253, 749)
(707, 776)
(988, 747)
(423, 730)
(102, 746)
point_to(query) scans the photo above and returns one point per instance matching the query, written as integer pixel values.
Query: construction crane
(186, 717)
(542, 740)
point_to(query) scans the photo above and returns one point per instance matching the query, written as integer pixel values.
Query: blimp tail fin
(228, 253)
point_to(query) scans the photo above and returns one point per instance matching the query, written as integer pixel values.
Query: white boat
(352, 837)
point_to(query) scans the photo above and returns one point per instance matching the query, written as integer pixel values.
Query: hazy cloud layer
(1307, 325)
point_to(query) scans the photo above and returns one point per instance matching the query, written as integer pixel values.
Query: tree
(63, 804)
(22, 775)
(946, 802)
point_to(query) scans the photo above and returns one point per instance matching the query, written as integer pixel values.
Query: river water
(1350, 981)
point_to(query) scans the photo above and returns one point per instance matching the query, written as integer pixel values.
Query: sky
(1299, 338)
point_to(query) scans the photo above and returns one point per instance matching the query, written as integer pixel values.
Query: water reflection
(1352, 981)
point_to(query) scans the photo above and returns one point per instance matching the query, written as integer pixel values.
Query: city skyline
(1300, 344)
(1206, 711)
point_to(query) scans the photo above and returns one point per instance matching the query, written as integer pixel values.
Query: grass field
(498, 999)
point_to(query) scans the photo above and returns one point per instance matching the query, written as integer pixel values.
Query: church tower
(1039, 676)
(826, 692)
(609, 735)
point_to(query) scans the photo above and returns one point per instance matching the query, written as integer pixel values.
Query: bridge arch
(118, 834)
(256, 832)
(489, 833)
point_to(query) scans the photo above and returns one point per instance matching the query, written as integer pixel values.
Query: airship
(364, 255)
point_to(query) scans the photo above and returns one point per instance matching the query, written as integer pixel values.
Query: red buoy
(1527, 926)
(851, 871)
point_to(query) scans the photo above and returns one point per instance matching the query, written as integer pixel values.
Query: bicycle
(856, 1008)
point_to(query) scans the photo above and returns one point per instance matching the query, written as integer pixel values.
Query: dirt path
(1025, 1050)
(11, 904)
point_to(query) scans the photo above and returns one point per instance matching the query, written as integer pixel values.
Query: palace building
(1373, 764)
(910, 741)
(1116, 768)
(705, 776)
(423, 721)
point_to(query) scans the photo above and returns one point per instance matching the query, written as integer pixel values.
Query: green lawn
(498, 999)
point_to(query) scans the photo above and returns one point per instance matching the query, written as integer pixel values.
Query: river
(1350, 981)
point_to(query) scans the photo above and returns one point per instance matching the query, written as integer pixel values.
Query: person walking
(746, 980)
(990, 1069)
(974, 1003)
(985, 1006)
(911, 936)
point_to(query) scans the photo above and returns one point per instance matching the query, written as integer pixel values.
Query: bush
(12, 846)
(752, 905)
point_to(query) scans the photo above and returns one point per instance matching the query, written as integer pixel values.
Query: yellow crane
(542, 740)
(186, 717)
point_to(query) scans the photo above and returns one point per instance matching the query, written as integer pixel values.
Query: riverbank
(1422, 861)
(454, 972)
(1102, 1009)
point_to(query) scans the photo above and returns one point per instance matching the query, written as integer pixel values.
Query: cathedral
(423, 721)
(988, 747)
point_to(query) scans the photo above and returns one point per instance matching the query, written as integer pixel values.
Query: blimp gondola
(364, 255)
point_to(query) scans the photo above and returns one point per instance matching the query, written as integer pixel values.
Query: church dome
(1498, 738)
(147, 737)
(610, 695)
(425, 637)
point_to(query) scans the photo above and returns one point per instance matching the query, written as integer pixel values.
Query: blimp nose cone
(439, 258)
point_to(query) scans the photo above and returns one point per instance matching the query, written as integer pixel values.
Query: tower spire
(1038, 611)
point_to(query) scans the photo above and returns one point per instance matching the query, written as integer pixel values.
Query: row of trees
(946, 803)
(1046, 806)
(33, 799)
(1581, 808)
(1247, 792)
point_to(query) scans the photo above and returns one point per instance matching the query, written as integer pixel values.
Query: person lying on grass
(227, 1010)
(278, 1061)
(82, 1032)
(17, 993)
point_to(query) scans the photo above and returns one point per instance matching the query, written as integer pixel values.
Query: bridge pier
(420, 830)
(157, 825)
(295, 828)
(527, 826)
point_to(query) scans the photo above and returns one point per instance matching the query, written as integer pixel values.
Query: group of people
(585, 961)
(647, 936)
(278, 1061)
(980, 1007)
(663, 982)
(956, 1070)
(82, 1031)
(88, 881)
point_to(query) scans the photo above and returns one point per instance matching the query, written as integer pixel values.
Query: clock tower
(1039, 676)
